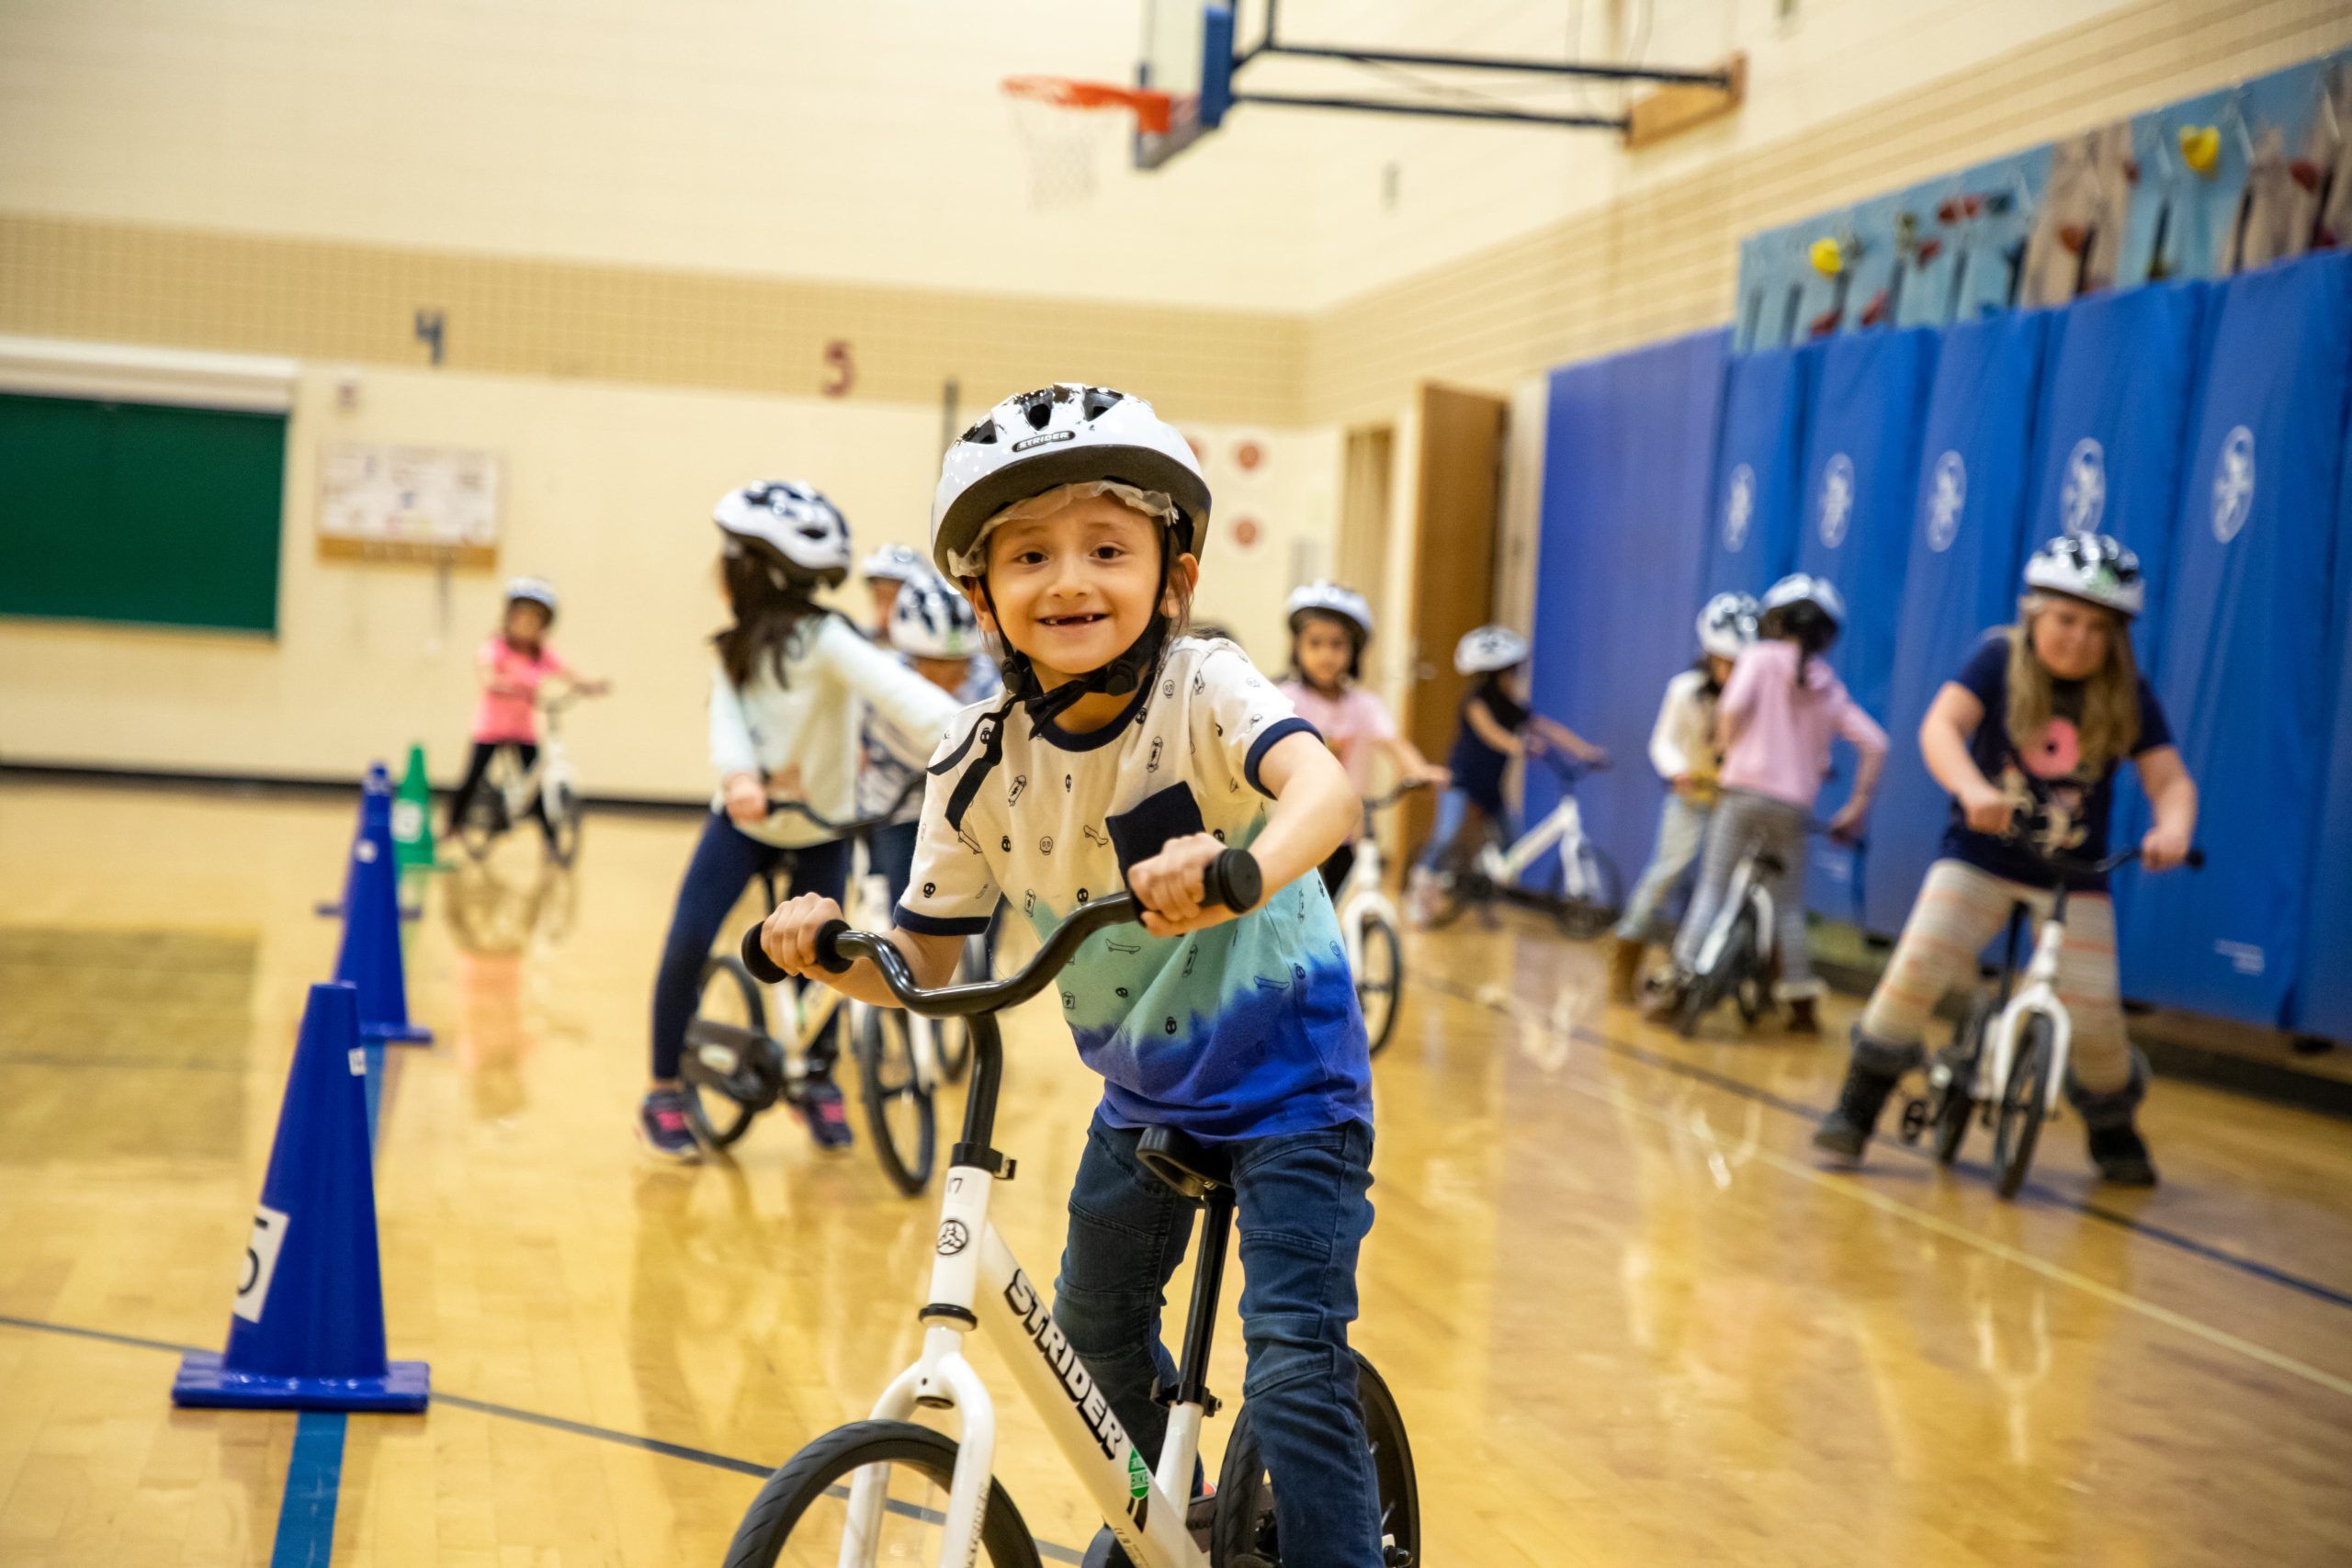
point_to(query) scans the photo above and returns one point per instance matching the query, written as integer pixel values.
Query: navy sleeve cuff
(932, 925)
(1264, 743)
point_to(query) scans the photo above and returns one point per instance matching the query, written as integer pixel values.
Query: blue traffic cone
(307, 1329)
(377, 779)
(370, 958)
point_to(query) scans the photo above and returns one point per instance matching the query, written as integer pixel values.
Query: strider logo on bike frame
(1077, 1382)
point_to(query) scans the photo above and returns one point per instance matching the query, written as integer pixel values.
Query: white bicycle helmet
(532, 591)
(1727, 625)
(1331, 599)
(2095, 567)
(790, 525)
(1487, 650)
(1803, 588)
(931, 620)
(895, 563)
(1065, 433)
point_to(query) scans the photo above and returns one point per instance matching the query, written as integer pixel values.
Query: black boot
(1870, 1077)
(2122, 1156)
(2117, 1147)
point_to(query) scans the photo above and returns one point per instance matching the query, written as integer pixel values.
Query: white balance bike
(1368, 924)
(888, 1491)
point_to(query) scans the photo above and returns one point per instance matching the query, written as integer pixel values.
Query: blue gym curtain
(2323, 997)
(2245, 639)
(2122, 368)
(1862, 476)
(1625, 469)
(1967, 549)
(1752, 523)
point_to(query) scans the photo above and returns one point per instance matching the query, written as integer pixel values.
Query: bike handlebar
(2068, 865)
(1232, 881)
(1373, 803)
(778, 806)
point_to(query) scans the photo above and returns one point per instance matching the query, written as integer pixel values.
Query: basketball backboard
(1187, 52)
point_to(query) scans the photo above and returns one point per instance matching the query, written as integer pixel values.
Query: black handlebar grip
(828, 945)
(2195, 860)
(755, 958)
(1233, 880)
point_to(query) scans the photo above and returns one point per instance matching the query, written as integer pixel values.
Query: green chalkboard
(135, 511)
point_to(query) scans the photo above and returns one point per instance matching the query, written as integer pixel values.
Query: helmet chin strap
(1122, 676)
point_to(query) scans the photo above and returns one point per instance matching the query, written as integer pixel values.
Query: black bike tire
(910, 1173)
(1241, 1523)
(1957, 1107)
(716, 1134)
(2020, 1127)
(786, 1495)
(1583, 918)
(564, 842)
(1378, 930)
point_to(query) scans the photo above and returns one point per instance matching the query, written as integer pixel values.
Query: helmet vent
(1101, 401)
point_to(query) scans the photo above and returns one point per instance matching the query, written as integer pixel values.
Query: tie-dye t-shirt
(1246, 1030)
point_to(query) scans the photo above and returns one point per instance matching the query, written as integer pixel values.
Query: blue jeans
(1453, 809)
(725, 861)
(892, 853)
(1302, 1215)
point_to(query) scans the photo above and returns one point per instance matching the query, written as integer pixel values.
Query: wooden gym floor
(1627, 1317)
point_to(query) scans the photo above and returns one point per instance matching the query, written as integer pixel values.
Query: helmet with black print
(931, 620)
(2095, 567)
(1727, 625)
(895, 563)
(1488, 649)
(1068, 435)
(790, 526)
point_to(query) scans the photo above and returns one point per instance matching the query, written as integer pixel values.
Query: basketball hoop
(1065, 148)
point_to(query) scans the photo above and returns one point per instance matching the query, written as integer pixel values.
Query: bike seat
(1183, 1161)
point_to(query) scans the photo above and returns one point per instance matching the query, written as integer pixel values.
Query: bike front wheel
(897, 1106)
(2025, 1099)
(1243, 1532)
(1380, 981)
(802, 1514)
(563, 821)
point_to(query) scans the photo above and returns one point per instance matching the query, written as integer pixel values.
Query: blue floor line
(314, 1470)
(313, 1484)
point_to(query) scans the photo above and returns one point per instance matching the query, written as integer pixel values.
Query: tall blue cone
(307, 1328)
(370, 958)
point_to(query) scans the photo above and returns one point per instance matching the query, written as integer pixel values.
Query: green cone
(413, 816)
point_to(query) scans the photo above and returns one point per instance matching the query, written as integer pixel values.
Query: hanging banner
(2244, 670)
(1752, 524)
(1861, 468)
(1967, 549)
(1625, 466)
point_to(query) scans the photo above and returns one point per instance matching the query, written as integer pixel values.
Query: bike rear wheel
(1243, 1533)
(802, 1513)
(898, 1107)
(2025, 1099)
(1380, 981)
(721, 1093)
(1953, 1102)
(1582, 883)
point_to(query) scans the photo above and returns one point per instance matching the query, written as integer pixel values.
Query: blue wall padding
(2323, 993)
(1751, 522)
(1861, 482)
(2122, 370)
(1967, 549)
(1624, 499)
(2244, 672)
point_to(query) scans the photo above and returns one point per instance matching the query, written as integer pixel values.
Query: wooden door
(1455, 505)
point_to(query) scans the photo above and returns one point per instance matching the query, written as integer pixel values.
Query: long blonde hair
(2111, 722)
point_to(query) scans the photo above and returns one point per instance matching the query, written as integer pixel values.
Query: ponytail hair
(773, 617)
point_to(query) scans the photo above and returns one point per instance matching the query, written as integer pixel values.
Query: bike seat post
(1191, 1400)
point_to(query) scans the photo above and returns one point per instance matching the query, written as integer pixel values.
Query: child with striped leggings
(2028, 737)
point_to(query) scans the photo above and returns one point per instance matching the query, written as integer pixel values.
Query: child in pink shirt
(514, 664)
(1329, 626)
(1778, 714)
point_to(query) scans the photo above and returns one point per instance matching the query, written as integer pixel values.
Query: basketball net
(1066, 125)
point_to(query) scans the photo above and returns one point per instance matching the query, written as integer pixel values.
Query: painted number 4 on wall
(261, 1262)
